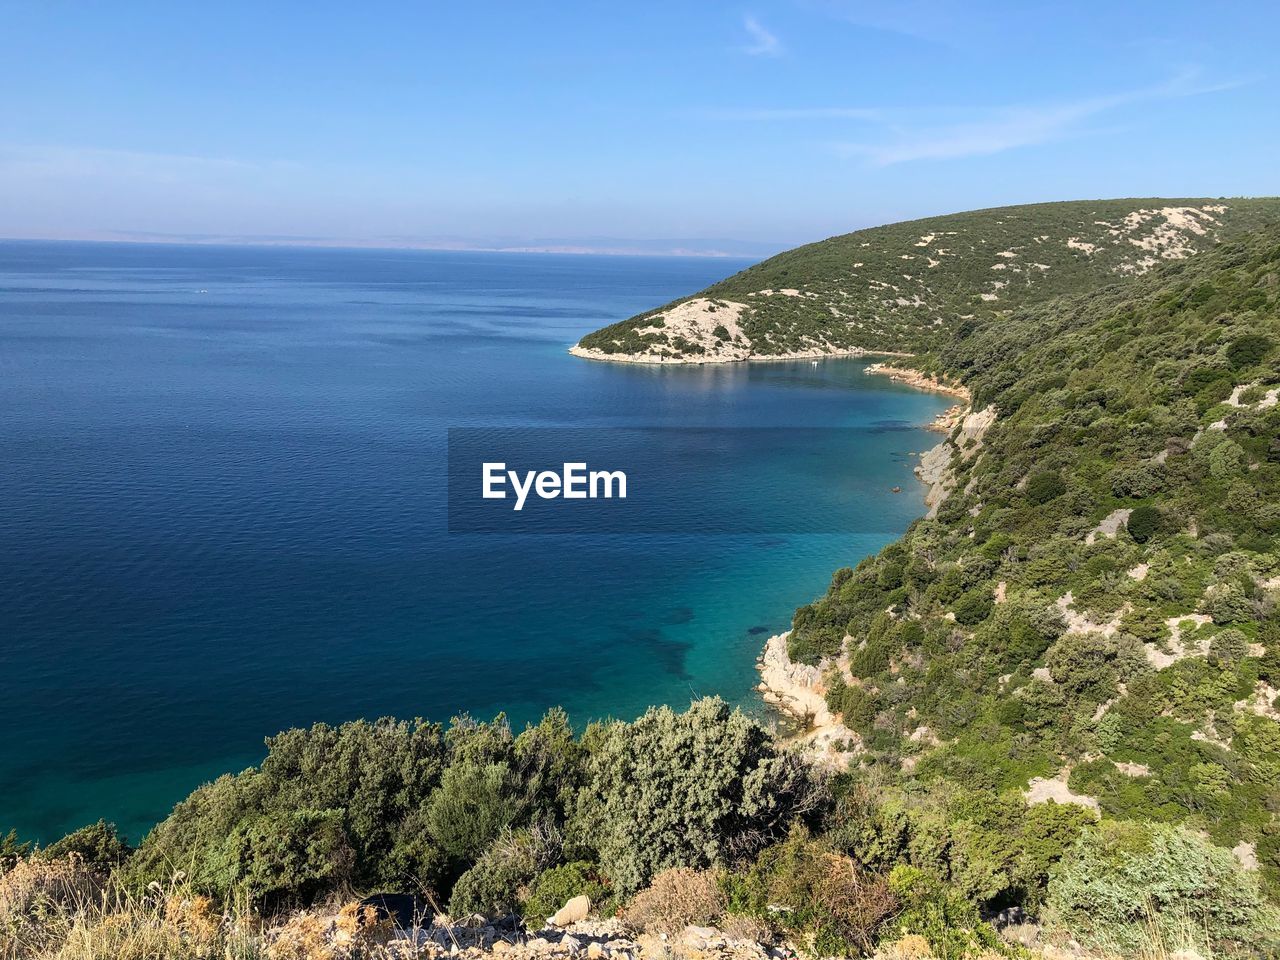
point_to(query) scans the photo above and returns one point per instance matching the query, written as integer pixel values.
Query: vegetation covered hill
(1095, 601)
(891, 288)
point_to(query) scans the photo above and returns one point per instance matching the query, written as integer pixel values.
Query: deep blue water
(223, 510)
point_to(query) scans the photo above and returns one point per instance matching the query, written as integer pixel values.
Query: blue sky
(602, 124)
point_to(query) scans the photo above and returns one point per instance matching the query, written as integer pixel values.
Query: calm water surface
(222, 507)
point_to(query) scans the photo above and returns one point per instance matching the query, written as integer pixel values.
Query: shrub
(693, 789)
(973, 607)
(1137, 482)
(1045, 486)
(1226, 603)
(99, 845)
(951, 925)
(553, 888)
(675, 899)
(1144, 523)
(11, 851)
(1121, 880)
(1228, 647)
(289, 859)
(499, 881)
(820, 898)
(363, 783)
(1087, 666)
(474, 804)
(1248, 350)
(856, 706)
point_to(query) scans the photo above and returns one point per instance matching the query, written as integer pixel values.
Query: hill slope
(889, 289)
(1092, 614)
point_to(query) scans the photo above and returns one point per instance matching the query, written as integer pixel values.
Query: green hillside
(1096, 600)
(891, 288)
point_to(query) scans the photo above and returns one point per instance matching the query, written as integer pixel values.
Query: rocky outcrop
(796, 689)
(799, 690)
(937, 465)
(921, 381)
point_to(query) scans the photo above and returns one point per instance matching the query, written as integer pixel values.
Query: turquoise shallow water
(223, 506)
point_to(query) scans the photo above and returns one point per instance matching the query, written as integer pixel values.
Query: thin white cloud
(763, 42)
(803, 113)
(1009, 128)
(904, 135)
(57, 162)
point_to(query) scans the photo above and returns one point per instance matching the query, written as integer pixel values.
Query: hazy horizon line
(709, 248)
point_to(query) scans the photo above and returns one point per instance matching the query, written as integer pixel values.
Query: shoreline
(796, 690)
(655, 360)
(921, 381)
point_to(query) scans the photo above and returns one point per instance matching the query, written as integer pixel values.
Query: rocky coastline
(729, 355)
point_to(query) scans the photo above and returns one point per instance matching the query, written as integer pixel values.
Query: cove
(224, 508)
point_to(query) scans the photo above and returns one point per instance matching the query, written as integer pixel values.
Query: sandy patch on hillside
(1080, 623)
(1178, 648)
(1269, 399)
(1247, 854)
(696, 320)
(1044, 789)
(1110, 525)
(1262, 701)
(1133, 769)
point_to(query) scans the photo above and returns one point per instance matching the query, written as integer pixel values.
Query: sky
(637, 127)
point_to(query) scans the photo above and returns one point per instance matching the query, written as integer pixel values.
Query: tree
(1228, 647)
(98, 845)
(972, 607)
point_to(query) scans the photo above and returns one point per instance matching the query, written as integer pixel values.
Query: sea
(227, 505)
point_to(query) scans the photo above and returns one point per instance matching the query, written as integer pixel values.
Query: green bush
(365, 805)
(951, 925)
(695, 789)
(1226, 603)
(1144, 523)
(289, 859)
(472, 806)
(856, 706)
(11, 850)
(553, 888)
(99, 845)
(1123, 879)
(498, 883)
(1045, 486)
(1228, 647)
(973, 607)
(1248, 350)
(816, 896)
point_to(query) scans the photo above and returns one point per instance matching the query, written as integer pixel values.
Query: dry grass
(62, 910)
(675, 899)
(40, 902)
